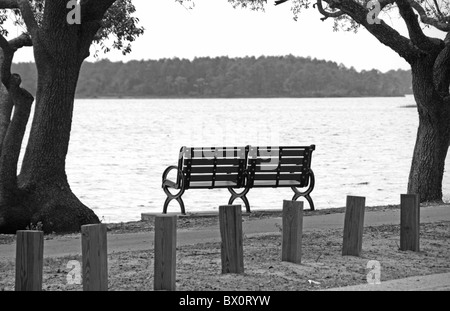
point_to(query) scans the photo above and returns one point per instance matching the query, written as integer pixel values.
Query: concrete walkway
(71, 245)
(434, 282)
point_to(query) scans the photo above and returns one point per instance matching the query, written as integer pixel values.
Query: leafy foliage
(257, 5)
(38, 10)
(35, 227)
(439, 9)
(119, 26)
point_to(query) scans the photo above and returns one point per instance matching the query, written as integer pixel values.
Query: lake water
(120, 148)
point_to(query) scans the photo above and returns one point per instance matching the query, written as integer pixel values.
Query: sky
(214, 28)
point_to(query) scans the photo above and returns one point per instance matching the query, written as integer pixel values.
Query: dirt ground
(199, 265)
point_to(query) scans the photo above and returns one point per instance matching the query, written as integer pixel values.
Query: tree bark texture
(433, 134)
(41, 192)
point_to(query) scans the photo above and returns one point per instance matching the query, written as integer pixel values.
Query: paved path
(144, 240)
(434, 282)
(68, 246)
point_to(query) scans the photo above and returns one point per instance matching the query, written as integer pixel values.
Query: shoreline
(196, 220)
(232, 97)
(197, 217)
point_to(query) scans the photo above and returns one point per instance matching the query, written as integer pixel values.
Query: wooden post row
(409, 222)
(29, 260)
(232, 249)
(292, 225)
(95, 257)
(353, 226)
(165, 252)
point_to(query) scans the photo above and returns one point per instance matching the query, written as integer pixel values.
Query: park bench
(243, 168)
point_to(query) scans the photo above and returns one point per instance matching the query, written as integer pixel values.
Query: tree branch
(8, 4)
(6, 107)
(21, 41)
(383, 32)
(12, 143)
(415, 31)
(424, 18)
(385, 3)
(9, 48)
(92, 14)
(12, 132)
(12, 81)
(28, 16)
(325, 13)
(5, 69)
(441, 69)
(94, 10)
(438, 10)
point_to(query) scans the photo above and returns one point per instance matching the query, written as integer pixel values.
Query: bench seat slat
(293, 152)
(276, 161)
(285, 152)
(281, 176)
(218, 177)
(282, 183)
(207, 184)
(218, 156)
(210, 153)
(285, 168)
(234, 161)
(217, 149)
(219, 169)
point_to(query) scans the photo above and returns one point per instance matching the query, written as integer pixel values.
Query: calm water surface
(119, 148)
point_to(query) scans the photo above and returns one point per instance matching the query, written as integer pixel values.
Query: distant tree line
(284, 76)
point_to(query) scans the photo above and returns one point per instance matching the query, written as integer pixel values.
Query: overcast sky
(213, 28)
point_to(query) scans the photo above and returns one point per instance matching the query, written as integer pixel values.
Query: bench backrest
(214, 167)
(279, 166)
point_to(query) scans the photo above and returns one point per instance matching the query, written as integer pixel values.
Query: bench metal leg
(306, 193)
(166, 184)
(307, 197)
(179, 200)
(242, 196)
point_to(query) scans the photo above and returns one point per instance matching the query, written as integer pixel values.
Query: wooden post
(291, 250)
(409, 222)
(29, 260)
(353, 226)
(232, 249)
(165, 252)
(95, 257)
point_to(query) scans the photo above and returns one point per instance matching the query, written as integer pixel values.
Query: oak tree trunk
(433, 135)
(13, 215)
(43, 175)
(41, 192)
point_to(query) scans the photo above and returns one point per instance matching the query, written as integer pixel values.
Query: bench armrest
(168, 183)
